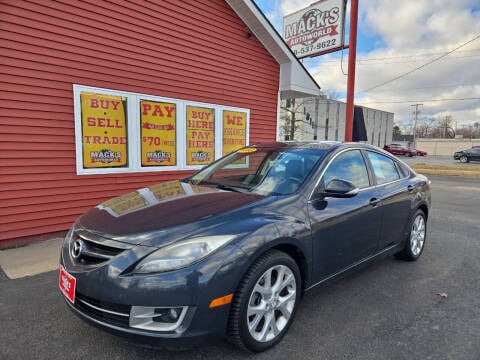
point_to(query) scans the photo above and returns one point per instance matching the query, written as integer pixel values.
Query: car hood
(144, 214)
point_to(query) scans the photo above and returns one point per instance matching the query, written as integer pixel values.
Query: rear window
(403, 170)
(383, 167)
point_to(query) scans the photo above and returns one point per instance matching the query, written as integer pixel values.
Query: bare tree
(292, 115)
(470, 131)
(446, 127)
(425, 127)
(443, 129)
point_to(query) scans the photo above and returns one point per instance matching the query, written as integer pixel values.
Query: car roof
(328, 146)
(325, 147)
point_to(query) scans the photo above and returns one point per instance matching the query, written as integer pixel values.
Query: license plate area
(67, 284)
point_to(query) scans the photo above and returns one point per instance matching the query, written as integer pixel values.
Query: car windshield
(263, 171)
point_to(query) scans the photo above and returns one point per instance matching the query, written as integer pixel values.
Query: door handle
(374, 201)
(411, 188)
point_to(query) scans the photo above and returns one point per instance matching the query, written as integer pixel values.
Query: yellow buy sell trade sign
(158, 122)
(104, 131)
(200, 135)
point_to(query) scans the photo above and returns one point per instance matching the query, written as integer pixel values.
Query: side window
(383, 167)
(404, 171)
(348, 166)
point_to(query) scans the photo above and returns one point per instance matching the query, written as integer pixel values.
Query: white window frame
(134, 164)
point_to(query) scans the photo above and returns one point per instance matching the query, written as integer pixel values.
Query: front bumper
(106, 293)
(149, 338)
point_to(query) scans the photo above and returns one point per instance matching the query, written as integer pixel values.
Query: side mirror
(340, 189)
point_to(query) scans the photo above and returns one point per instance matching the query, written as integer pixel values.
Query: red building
(63, 62)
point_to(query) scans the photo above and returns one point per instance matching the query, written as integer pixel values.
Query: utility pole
(416, 112)
(352, 53)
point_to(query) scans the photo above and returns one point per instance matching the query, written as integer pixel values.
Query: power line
(402, 57)
(419, 67)
(410, 101)
(384, 62)
(439, 86)
(461, 58)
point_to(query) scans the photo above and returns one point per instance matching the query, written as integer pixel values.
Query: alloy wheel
(271, 303)
(417, 235)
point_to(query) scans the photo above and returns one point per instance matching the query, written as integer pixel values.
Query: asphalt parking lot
(429, 309)
(436, 160)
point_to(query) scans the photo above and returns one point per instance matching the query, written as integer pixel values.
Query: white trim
(133, 131)
(279, 103)
(295, 81)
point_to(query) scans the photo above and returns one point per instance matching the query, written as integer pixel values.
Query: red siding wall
(194, 50)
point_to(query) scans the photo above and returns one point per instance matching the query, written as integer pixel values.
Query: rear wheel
(416, 239)
(265, 303)
(463, 159)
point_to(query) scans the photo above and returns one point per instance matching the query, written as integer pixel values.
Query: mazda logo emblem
(77, 248)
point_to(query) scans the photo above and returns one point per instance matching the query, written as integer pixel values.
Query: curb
(3, 276)
(447, 170)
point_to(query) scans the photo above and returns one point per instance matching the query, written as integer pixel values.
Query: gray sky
(396, 37)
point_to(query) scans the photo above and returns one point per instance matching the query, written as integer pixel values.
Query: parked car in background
(230, 250)
(397, 149)
(421, 152)
(468, 155)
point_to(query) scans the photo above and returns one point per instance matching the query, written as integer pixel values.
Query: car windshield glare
(263, 171)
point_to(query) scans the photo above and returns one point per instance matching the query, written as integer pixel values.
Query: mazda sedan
(229, 251)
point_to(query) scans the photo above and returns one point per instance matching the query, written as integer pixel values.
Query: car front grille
(90, 249)
(110, 313)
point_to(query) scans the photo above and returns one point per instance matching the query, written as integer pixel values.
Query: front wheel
(265, 303)
(463, 159)
(416, 239)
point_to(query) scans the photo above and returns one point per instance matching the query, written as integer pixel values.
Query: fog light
(157, 318)
(167, 315)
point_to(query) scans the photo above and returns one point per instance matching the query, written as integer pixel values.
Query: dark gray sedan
(231, 250)
(468, 155)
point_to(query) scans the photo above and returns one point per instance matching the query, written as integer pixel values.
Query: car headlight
(180, 254)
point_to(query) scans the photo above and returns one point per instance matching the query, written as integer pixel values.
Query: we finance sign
(315, 30)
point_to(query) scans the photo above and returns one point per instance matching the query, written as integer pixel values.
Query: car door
(344, 230)
(395, 192)
(474, 154)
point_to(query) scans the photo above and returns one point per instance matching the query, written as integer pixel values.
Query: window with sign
(200, 125)
(124, 132)
(158, 133)
(104, 131)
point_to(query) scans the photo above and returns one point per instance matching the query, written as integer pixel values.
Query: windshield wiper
(221, 186)
(228, 188)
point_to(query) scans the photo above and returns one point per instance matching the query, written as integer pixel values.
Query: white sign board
(316, 29)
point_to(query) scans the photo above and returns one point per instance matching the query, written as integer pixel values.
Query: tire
(415, 242)
(263, 307)
(464, 159)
